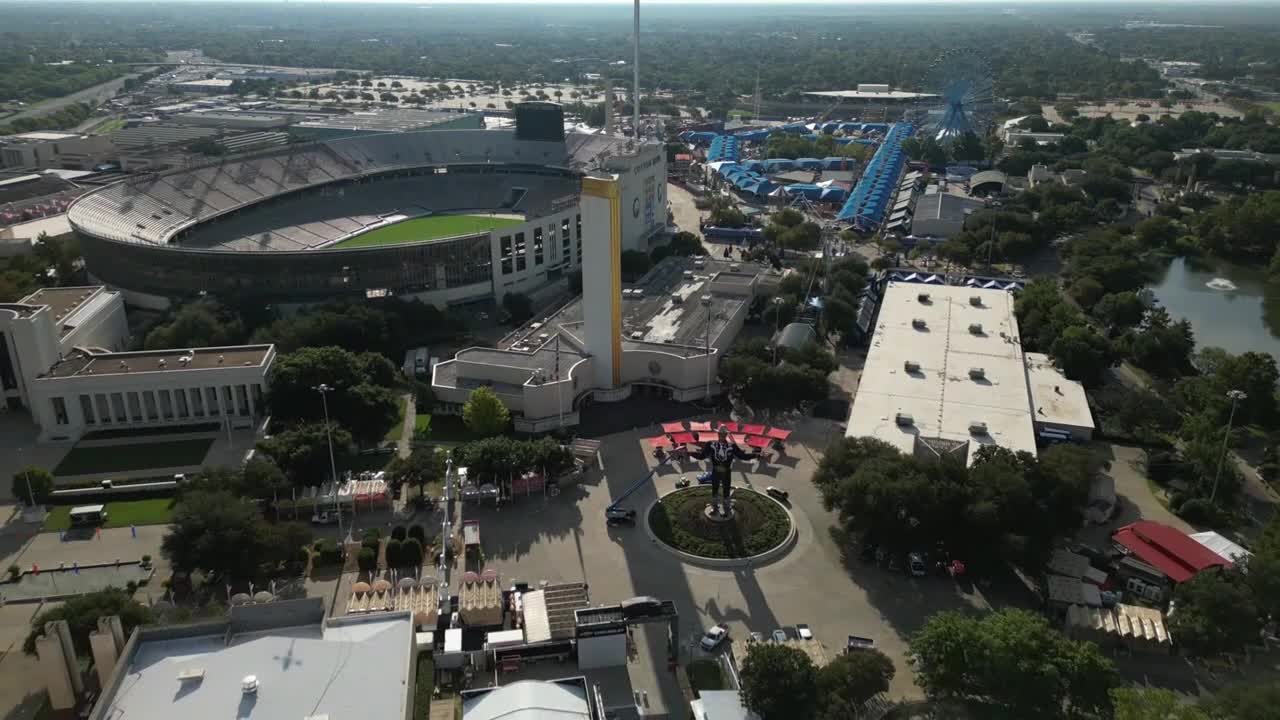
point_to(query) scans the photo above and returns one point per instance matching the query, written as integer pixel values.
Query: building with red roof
(1170, 551)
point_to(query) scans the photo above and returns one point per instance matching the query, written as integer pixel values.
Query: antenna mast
(635, 69)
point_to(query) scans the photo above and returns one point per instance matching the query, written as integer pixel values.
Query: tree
(1214, 613)
(1012, 658)
(1245, 701)
(519, 306)
(302, 452)
(33, 485)
(1083, 354)
(360, 398)
(218, 533)
(1139, 703)
(1119, 311)
(779, 681)
(81, 612)
(484, 413)
(851, 679)
(424, 465)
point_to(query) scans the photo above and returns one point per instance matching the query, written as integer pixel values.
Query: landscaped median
(759, 527)
(132, 457)
(124, 513)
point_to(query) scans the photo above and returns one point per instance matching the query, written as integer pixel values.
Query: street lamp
(1236, 396)
(777, 325)
(706, 300)
(324, 391)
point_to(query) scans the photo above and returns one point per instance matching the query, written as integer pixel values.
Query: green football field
(427, 228)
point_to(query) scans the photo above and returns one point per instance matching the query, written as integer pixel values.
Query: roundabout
(759, 528)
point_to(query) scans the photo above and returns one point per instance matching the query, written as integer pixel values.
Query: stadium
(446, 216)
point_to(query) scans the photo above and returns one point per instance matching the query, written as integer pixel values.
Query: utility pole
(635, 70)
(1236, 396)
(707, 392)
(324, 391)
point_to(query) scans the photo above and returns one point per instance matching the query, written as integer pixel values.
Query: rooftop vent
(911, 366)
(688, 273)
(975, 301)
(977, 427)
(249, 685)
(733, 267)
(677, 298)
(904, 420)
(975, 328)
(923, 298)
(220, 359)
(161, 363)
(191, 674)
(918, 324)
(706, 299)
(637, 335)
(699, 264)
(977, 373)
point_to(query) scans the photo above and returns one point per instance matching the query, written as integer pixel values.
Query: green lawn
(424, 685)
(157, 511)
(427, 228)
(397, 430)
(441, 429)
(705, 675)
(138, 456)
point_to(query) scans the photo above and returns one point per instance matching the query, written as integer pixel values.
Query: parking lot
(565, 539)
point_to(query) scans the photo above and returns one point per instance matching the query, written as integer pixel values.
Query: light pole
(777, 325)
(1236, 396)
(707, 393)
(324, 391)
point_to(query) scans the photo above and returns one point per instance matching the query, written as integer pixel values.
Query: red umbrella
(778, 433)
(659, 441)
(757, 441)
(683, 438)
(708, 436)
(753, 429)
(700, 426)
(672, 427)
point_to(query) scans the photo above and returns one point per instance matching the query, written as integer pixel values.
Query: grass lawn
(398, 429)
(424, 684)
(705, 675)
(157, 511)
(441, 429)
(139, 456)
(427, 228)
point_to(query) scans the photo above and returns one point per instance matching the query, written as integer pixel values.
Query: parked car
(777, 493)
(756, 637)
(714, 636)
(324, 518)
(915, 565)
(642, 606)
(615, 516)
(779, 636)
(804, 632)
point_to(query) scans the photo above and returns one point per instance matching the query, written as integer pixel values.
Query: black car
(642, 606)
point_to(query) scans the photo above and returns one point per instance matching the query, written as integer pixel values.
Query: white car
(804, 632)
(714, 636)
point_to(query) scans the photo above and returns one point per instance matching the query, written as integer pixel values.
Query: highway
(97, 93)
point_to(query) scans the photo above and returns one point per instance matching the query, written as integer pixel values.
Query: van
(86, 515)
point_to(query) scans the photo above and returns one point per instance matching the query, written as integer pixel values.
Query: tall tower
(608, 106)
(635, 70)
(602, 276)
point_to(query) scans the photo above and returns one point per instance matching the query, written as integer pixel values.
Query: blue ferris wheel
(961, 80)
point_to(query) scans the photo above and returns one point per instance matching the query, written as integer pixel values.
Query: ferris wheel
(961, 80)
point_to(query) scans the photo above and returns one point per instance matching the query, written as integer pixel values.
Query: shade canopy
(659, 441)
(708, 436)
(758, 441)
(673, 427)
(739, 438)
(684, 438)
(753, 429)
(778, 433)
(699, 426)
(360, 587)
(381, 585)
(730, 426)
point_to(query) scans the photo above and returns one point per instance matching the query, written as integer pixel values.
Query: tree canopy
(198, 324)
(778, 682)
(360, 400)
(32, 485)
(225, 536)
(82, 612)
(484, 413)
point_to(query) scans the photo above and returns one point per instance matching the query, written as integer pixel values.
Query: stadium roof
(939, 365)
(386, 120)
(1170, 551)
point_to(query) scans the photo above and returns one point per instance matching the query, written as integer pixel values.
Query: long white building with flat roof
(946, 375)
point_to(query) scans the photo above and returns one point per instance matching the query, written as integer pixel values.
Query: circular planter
(761, 529)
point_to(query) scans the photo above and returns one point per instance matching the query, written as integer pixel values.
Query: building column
(192, 394)
(92, 417)
(248, 393)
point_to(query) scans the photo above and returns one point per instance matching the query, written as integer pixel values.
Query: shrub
(411, 553)
(330, 553)
(371, 534)
(146, 559)
(367, 560)
(419, 533)
(14, 572)
(394, 555)
(398, 532)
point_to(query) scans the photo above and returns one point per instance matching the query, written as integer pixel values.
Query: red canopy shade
(730, 426)
(1171, 551)
(708, 436)
(673, 427)
(753, 429)
(659, 441)
(740, 439)
(699, 426)
(683, 438)
(758, 441)
(778, 433)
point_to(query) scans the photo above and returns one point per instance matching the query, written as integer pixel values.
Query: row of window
(156, 405)
(513, 252)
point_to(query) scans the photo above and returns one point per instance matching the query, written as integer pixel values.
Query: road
(97, 93)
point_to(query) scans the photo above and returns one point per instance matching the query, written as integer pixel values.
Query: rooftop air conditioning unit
(923, 298)
(191, 674)
(977, 373)
(637, 335)
(688, 273)
(918, 324)
(911, 366)
(733, 267)
(975, 301)
(706, 299)
(699, 264)
(975, 328)
(904, 420)
(677, 298)
(249, 685)
(977, 428)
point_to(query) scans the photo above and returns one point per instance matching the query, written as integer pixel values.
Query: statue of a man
(722, 452)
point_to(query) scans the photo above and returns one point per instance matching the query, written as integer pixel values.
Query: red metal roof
(1171, 551)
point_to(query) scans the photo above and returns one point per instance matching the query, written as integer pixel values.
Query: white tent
(1221, 546)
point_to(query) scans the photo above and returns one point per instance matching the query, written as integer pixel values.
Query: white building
(62, 361)
(42, 150)
(942, 214)
(946, 375)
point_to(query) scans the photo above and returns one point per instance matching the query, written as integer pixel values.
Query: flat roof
(120, 363)
(1056, 399)
(62, 301)
(872, 95)
(343, 668)
(940, 393)
(389, 120)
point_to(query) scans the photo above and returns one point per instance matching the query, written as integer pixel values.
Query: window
(504, 252)
(117, 407)
(104, 408)
(135, 406)
(197, 402)
(149, 404)
(180, 401)
(520, 252)
(578, 231)
(537, 245)
(86, 409)
(211, 401)
(59, 410)
(165, 399)
(242, 399)
(566, 239)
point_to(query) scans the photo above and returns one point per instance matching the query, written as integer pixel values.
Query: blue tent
(832, 194)
(779, 165)
(754, 165)
(809, 163)
(813, 192)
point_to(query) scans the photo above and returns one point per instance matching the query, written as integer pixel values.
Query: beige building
(43, 150)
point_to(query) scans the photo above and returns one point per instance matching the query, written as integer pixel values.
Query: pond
(1228, 305)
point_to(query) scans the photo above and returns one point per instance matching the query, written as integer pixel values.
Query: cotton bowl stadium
(446, 216)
